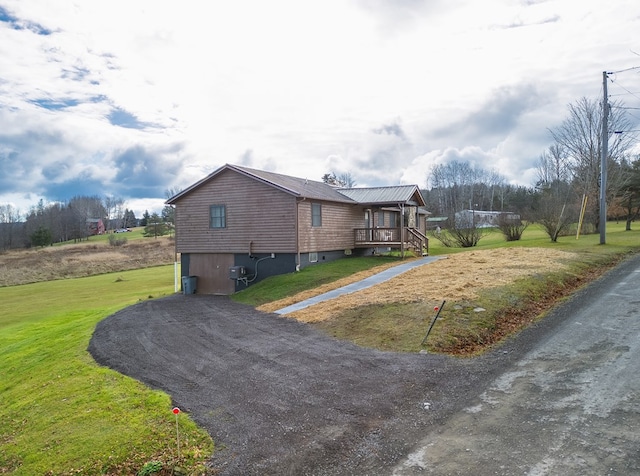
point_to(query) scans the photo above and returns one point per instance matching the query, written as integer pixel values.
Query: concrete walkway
(357, 286)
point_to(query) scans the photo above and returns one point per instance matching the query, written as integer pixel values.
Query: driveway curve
(280, 398)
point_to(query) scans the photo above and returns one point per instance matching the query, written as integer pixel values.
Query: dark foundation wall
(214, 271)
(282, 263)
(324, 257)
(261, 265)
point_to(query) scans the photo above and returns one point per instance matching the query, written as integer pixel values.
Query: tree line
(74, 220)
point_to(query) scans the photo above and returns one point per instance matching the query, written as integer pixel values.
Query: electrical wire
(623, 70)
(621, 86)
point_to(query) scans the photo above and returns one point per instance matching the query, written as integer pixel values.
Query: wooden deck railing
(413, 238)
(365, 236)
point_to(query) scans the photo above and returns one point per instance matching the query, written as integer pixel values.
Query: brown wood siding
(212, 271)
(336, 232)
(255, 212)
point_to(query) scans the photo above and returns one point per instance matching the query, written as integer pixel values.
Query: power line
(623, 70)
(621, 86)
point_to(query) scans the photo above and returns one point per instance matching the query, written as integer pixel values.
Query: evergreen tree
(41, 237)
(129, 219)
(155, 227)
(145, 218)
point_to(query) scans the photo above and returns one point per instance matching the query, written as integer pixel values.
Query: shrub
(116, 240)
(511, 228)
(460, 237)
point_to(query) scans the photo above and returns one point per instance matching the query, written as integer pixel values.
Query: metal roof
(407, 194)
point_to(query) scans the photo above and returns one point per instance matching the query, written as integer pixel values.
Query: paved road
(571, 406)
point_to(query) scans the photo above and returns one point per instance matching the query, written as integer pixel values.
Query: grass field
(63, 414)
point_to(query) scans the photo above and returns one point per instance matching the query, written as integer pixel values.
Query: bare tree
(580, 137)
(553, 165)
(81, 209)
(344, 180)
(168, 212)
(457, 186)
(10, 227)
(556, 209)
(114, 212)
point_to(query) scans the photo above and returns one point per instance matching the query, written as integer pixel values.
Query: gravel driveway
(280, 398)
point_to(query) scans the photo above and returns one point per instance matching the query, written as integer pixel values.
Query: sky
(132, 98)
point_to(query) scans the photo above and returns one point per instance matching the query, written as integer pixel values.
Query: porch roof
(398, 194)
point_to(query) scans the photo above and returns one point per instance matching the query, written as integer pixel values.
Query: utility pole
(603, 161)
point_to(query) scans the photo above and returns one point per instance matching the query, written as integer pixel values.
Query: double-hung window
(217, 216)
(316, 214)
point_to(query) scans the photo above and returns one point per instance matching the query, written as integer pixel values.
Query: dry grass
(455, 278)
(83, 259)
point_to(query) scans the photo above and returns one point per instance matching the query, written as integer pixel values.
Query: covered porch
(394, 217)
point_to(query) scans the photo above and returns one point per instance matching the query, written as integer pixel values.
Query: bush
(460, 237)
(511, 228)
(115, 240)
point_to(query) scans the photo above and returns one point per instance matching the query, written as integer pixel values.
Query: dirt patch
(454, 278)
(82, 259)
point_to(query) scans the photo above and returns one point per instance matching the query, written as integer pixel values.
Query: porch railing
(376, 235)
(413, 238)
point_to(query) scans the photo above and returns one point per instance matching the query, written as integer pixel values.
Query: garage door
(212, 271)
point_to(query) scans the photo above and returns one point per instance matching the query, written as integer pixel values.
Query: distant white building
(482, 218)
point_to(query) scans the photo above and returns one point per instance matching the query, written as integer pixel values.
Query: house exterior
(95, 226)
(239, 225)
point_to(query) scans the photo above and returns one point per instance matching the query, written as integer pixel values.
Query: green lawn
(63, 414)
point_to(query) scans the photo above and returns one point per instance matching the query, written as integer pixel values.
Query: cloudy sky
(131, 98)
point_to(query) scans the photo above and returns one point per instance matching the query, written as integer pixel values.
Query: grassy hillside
(63, 414)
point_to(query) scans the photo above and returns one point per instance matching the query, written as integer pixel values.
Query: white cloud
(379, 89)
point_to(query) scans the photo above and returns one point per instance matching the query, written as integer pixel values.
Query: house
(239, 225)
(95, 226)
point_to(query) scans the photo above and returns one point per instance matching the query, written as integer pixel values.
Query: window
(316, 214)
(313, 257)
(217, 216)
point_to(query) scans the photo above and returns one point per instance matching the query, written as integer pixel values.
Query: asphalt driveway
(277, 396)
(280, 398)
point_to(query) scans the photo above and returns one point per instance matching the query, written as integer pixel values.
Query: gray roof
(297, 186)
(380, 195)
(315, 190)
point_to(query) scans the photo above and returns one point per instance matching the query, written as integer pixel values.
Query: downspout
(298, 234)
(176, 280)
(402, 230)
